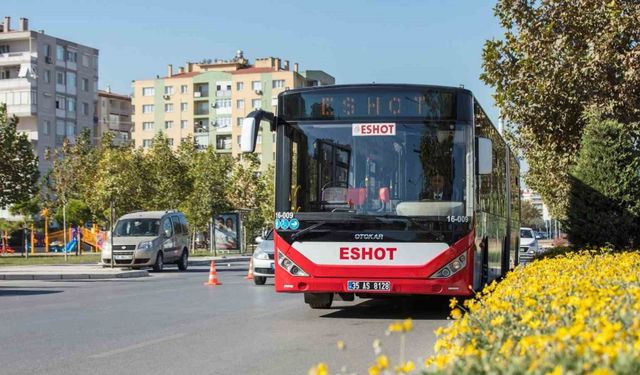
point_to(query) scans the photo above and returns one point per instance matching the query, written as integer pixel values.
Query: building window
(223, 103)
(47, 76)
(146, 143)
(60, 78)
(60, 128)
(60, 53)
(60, 102)
(71, 79)
(148, 91)
(184, 124)
(71, 129)
(239, 121)
(273, 137)
(239, 139)
(184, 89)
(47, 50)
(223, 142)
(84, 84)
(72, 56)
(147, 126)
(168, 90)
(85, 108)
(256, 85)
(168, 124)
(85, 60)
(239, 86)
(147, 108)
(240, 104)
(71, 104)
(277, 83)
(170, 141)
(259, 140)
(224, 122)
(168, 107)
(184, 107)
(46, 126)
(256, 103)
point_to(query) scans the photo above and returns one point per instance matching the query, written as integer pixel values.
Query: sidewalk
(94, 271)
(67, 272)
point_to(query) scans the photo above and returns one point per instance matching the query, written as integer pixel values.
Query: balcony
(223, 111)
(20, 84)
(223, 143)
(22, 110)
(223, 93)
(12, 58)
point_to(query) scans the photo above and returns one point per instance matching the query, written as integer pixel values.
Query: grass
(206, 253)
(48, 259)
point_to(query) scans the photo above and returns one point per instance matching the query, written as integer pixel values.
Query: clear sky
(357, 41)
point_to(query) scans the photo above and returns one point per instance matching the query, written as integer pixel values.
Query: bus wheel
(318, 300)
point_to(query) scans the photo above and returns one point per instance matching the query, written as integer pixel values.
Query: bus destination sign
(344, 104)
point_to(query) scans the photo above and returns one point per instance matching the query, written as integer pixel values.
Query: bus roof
(377, 86)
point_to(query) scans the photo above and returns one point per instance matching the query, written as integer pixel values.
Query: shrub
(604, 201)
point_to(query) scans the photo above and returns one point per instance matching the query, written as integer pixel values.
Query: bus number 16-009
(458, 219)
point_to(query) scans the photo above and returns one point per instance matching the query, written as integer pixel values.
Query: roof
(113, 95)
(255, 70)
(184, 75)
(148, 214)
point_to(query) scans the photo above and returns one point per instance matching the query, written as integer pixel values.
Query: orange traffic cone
(213, 276)
(250, 274)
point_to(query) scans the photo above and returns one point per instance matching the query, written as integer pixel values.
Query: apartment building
(209, 99)
(49, 83)
(114, 115)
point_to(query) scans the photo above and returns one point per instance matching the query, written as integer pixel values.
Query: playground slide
(71, 246)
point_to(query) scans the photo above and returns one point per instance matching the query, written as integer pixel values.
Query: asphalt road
(170, 323)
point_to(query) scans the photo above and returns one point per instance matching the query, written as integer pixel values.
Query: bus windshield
(413, 169)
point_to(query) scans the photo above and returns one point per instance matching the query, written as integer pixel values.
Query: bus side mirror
(249, 135)
(484, 153)
(251, 127)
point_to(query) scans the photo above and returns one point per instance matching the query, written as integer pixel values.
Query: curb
(73, 276)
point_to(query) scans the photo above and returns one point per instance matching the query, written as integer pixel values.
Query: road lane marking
(137, 346)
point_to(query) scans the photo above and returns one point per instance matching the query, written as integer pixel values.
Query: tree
(605, 186)
(247, 192)
(209, 173)
(167, 178)
(77, 212)
(556, 59)
(530, 216)
(18, 164)
(121, 179)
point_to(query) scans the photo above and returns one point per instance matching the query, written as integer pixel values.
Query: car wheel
(158, 266)
(259, 280)
(183, 263)
(318, 300)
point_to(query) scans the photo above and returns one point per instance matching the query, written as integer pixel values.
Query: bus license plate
(369, 285)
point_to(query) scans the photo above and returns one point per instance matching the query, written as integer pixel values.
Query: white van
(149, 239)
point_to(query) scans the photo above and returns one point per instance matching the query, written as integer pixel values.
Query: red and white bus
(388, 189)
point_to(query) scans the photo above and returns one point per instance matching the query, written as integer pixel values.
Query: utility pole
(64, 226)
(111, 232)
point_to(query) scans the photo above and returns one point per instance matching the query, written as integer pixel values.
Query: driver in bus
(437, 190)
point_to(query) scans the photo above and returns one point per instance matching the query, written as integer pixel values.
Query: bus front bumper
(398, 286)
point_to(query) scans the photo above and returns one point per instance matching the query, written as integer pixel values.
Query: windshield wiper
(385, 218)
(307, 230)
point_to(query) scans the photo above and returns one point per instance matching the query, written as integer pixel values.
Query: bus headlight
(291, 267)
(451, 268)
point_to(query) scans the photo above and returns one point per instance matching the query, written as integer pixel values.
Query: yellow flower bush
(575, 314)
